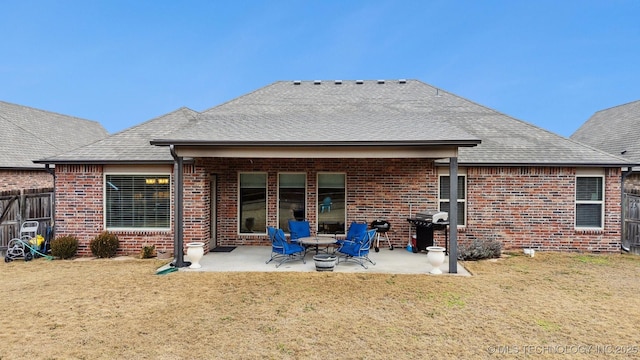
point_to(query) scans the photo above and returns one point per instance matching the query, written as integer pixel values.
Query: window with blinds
(589, 201)
(138, 201)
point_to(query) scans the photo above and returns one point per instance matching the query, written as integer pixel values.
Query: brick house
(26, 188)
(29, 134)
(375, 149)
(616, 131)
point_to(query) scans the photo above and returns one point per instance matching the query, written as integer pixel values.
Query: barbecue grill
(382, 227)
(425, 223)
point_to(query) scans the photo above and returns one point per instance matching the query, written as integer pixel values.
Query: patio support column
(178, 241)
(453, 215)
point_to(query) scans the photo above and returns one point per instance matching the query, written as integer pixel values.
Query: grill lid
(381, 225)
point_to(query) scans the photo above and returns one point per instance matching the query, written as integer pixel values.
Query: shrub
(147, 251)
(64, 247)
(480, 249)
(104, 245)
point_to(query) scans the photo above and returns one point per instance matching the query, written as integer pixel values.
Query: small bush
(104, 245)
(64, 247)
(480, 249)
(147, 251)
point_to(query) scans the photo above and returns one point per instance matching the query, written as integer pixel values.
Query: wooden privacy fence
(18, 206)
(631, 229)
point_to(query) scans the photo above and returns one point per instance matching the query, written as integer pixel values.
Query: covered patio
(252, 259)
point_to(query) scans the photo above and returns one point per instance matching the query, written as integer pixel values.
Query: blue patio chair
(357, 251)
(357, 231)
(299, 229)
(283, 250)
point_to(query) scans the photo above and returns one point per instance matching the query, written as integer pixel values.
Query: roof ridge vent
(338, 82)
(402, 81)
(359, 82)
(380, 81)
(297, 82)
(317, 82)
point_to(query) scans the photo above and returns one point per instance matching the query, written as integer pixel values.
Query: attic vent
(338, 82)
(402, 81)
(380, 81)
(296, 82)
(359, 82)
(317, 82)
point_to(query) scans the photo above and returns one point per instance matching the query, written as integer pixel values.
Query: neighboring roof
(615, 130)
(28, 134)
(313, 113)
(130, 145)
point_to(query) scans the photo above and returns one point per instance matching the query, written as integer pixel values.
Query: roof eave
(548, 164)
(103, 162)
(176, 142)
(23, 168)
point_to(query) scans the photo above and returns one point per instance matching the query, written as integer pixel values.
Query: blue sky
(550, 63)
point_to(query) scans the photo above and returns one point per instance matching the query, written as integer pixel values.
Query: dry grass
(106, 309)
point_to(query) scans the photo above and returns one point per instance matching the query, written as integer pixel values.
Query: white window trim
(138, 171)
(586, 172)
(238, 200)
(461, 172)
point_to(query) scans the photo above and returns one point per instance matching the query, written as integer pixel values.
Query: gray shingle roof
(329, 112)
(614, 130)
(29, 134)
(384, 111)
(353, 111)
(130, 145)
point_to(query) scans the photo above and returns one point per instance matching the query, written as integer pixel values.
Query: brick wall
(80, 212)
(534, 207)
(196, 205)
(376, 188)
(25, 179)
(518, 206)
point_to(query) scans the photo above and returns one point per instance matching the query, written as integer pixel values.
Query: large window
(253, 203)
(589, 201)
(444, 196)
(137, 201)
(331, 203)
(292, 204)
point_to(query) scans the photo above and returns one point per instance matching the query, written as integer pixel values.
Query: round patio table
(316, 242)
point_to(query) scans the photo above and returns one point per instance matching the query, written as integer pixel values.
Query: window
(137, 201)
(331, 203)
(292, 204)
(253, 203)
(443, 195)
(589, 201)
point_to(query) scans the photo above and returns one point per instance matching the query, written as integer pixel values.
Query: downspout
(453, 215)
(622, 208)
(51, 228)
(178, 242)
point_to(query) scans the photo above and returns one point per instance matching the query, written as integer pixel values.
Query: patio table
(316, 241)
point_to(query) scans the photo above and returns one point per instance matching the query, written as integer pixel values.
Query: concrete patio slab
(252, 259)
